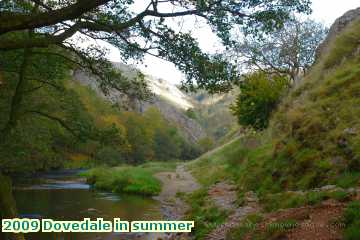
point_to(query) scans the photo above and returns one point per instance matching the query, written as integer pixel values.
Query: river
(63, 195)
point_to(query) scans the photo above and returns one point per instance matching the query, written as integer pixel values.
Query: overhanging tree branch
(21, 21)
(56, 119)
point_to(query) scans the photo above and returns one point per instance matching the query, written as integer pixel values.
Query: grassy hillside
(314, 136)
(313, 141)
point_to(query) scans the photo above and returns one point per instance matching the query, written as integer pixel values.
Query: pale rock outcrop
(337, 27)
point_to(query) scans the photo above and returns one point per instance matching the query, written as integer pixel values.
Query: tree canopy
(39, 48)
(259, 95)
(142, 31)
(289, 51)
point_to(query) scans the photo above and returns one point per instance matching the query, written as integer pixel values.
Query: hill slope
(168, 99)
(311, 146)
(314, 136)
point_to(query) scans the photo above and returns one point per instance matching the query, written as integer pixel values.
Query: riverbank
(128, 179)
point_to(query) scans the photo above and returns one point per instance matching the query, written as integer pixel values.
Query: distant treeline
(68, 125)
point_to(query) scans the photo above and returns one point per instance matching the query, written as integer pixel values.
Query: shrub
(248, 225)
(204, 212)
(348, 179)
(259, 96)
(314, 198)
(206, 144)
(352, 221)
(341, 196)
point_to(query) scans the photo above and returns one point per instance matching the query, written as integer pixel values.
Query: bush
(190, 113)
(249, 224)
(204, 212)
(352, 221)
(206, 144)
(259, 96)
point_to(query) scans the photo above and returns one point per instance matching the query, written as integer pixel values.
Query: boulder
(338, 26)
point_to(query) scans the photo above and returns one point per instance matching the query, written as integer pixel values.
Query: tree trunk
(7, 206)
(16, 99)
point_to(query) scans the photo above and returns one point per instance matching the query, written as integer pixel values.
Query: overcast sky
(325, 11)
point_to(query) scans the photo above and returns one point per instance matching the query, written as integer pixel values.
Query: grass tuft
(133, 180)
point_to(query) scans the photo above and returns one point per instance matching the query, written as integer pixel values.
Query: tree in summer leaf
(289, 51)
(36, 27)
(38, 48)
(144, 31)
(259, 95)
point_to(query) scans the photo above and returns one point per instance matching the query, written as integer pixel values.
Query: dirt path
(312, 222)
(224, 195)
(172, 207)
(175, 182)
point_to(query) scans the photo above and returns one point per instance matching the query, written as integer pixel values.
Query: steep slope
(168, 98)
(160, 87)
(320, 120)
(309, 154)
(213, 114)
(314, 136)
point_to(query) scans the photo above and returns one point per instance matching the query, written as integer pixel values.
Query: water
(63, 196)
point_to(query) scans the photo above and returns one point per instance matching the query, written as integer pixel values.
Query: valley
(259, 141)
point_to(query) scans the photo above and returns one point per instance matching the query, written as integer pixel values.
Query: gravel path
(224, 195)
(172, 183)
(172, 207)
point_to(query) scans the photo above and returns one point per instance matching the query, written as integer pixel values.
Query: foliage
(352, 221)
(273, 202)
(40, 120)
(114, 22)
(204, 213)
(312, 140)
(191, 113)
(89, 126)
(109, 156)
(44, 121)
(189, 151)
(289, 51)
(141, 137)
(247, 225)
(155, 167)
(259, 95)
(132, 180)
(206, 144)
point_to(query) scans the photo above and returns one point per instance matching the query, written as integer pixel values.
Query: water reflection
(67, 198)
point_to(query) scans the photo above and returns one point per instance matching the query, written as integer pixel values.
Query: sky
(325, 11)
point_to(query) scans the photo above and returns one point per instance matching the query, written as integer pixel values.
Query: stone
(328, 187)
(350, 131)
(251, 197)
(338, 26)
